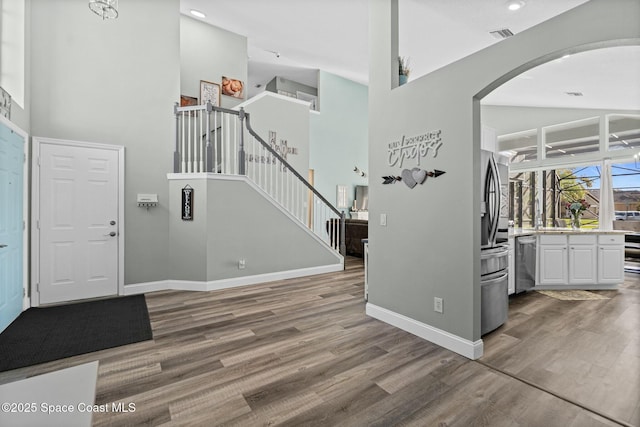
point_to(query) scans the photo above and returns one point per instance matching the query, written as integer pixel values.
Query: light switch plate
(437, 305)
(383, 220)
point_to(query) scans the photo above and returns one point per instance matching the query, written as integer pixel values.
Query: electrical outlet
(437, 304)
(383, 220)
(242, 263)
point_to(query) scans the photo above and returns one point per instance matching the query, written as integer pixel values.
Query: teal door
(11, 228)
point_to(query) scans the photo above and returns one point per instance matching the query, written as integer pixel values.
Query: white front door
(11, 224)
(78, 222)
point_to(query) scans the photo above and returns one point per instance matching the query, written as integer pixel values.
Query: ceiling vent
(574, 93)
(501, 34)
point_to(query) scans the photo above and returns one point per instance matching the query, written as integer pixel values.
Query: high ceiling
(295, 38)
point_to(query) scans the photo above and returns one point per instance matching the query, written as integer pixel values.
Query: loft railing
(212, 139)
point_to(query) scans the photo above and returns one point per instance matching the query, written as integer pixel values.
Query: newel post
(241, 153)
(208, 161)
(176, 150)
(343, 246)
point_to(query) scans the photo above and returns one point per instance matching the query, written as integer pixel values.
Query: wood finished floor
(302, 352)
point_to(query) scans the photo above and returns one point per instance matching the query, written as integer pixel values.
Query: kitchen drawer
(582, 239)
(553, 239)
(611, 239)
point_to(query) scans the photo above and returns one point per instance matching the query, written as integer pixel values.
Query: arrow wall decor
(412, 177)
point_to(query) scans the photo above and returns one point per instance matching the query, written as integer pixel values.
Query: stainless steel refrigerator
(494, 254)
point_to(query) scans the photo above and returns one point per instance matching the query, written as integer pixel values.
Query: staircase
(220, 141)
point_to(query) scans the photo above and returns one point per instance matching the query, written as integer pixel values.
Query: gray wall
(289, 118)
(507, 119)
(232, 221)
(208, 53)
(430, 247)
(111, 82)
(243, 224)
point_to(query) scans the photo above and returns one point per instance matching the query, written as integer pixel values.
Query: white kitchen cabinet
(552, 260)
(582, 259)
(610, 259)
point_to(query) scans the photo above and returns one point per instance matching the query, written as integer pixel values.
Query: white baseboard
(469, 349)
(214, 285)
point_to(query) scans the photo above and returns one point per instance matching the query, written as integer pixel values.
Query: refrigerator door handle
(492, 197)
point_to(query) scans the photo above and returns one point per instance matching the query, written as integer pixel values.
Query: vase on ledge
(575, 221)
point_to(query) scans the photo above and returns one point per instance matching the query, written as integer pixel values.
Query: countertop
(517, 232)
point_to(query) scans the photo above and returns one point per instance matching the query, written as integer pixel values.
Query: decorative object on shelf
(576, 209)
(187, 203)
(412, 177)
(403, 69)
(106, 9)
(232, 87)
(5, 104)
(209, 92)
(359, 171)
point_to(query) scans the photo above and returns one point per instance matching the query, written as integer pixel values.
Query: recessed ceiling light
(198, 13)
(566, 56)
(515, 4)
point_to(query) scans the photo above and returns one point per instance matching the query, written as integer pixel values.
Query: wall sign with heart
(412, 177)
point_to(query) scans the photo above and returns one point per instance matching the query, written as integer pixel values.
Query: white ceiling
(332, 35)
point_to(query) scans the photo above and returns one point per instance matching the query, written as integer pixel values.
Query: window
(571, 139)
(522, 146)
(624, 132)
(626, 190)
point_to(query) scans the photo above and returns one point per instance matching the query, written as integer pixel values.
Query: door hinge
(25, 158)
(38, 224)
(24, 225)
(24, 292)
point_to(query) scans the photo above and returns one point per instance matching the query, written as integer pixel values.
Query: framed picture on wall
(187, 101)
(232, 87)
(210, 91)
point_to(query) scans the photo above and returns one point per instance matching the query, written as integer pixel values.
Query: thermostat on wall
(147, 200)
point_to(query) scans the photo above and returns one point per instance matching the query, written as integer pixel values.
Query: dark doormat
(41, 335)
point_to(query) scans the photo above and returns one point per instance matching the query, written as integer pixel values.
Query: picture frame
(209, 91)
(232, 87)
(188, 101)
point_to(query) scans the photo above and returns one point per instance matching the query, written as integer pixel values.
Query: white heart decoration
(407, 178)
(419, 175)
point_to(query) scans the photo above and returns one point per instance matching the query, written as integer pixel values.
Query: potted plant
(403, 69)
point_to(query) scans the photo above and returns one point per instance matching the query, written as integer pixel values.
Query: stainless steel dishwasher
(525, 263)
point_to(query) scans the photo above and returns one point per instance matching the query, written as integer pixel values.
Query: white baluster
(183, 167)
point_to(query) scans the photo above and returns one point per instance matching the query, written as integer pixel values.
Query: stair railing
(212, 139)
